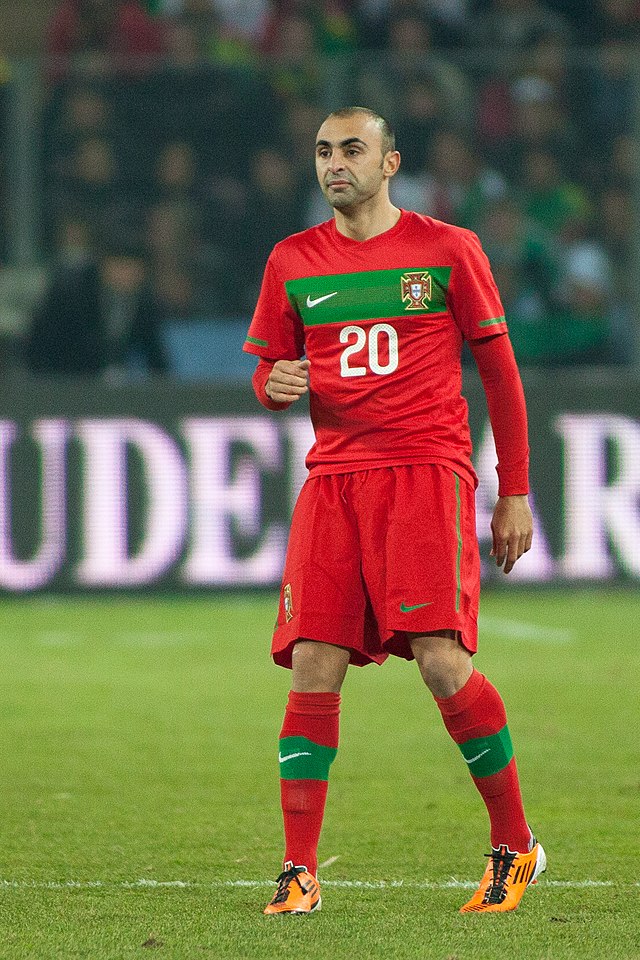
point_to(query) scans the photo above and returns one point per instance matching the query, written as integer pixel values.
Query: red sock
(308, 745)
(476, 719)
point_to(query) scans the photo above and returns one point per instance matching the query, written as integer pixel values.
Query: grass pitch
(140, 788)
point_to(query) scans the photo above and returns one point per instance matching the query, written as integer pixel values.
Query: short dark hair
(387, 134)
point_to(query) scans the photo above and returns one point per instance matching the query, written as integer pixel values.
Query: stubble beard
(352, 196)
(346, 197)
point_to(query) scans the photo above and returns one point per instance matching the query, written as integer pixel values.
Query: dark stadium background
(147, 164)
(150, 158)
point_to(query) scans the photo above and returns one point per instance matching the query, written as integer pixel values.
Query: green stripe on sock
(302, 759)
(487, 755)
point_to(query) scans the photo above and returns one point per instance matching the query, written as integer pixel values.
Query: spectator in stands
(540, 123)
(423, 112)
(199, 26)
(524, 260)
(624, 160)
(87, 112)
(176, 174)
(611, 88)
(549, 197)
(448, 19)
(240, 19)
(456, 186)
(580, 330)
(170, 230)
(293, 51)
(617, 227)
(276, 202)
(333, 25)
(91, 176)
(97, 317)
(300, 124)
(4, 99)
(514, 25)
(174, 292)
(100, 35)
(621, 19)
(411, 55)
(617, 224)
(583, 15)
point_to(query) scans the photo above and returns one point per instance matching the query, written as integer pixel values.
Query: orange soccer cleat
(506, 878)
(298, 892)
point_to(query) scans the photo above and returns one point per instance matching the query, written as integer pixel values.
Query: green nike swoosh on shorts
(416, 606)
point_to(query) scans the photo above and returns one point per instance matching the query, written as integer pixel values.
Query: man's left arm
(512, 523)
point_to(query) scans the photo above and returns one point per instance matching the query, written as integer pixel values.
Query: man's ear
(391, 163)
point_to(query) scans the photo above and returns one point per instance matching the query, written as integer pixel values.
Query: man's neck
(363, 223)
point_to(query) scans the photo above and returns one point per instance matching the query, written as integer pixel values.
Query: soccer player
(367, 314)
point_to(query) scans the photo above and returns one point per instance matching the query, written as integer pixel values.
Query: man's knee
(318, 667)
(445, 664)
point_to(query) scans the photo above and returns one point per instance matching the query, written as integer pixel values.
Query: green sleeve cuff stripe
(256, 342)
(302, 759)
(488, 755)
(491, 323)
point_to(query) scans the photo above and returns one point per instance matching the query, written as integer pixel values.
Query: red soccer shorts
(375, 554)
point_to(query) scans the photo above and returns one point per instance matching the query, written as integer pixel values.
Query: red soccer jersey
(382, 323)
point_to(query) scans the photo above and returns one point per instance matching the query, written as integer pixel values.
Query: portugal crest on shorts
(287, 602)
(416, 290)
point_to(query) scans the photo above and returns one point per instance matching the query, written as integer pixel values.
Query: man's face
(350, 164)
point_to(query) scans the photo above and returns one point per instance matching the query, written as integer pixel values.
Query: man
(97, 316)
(383, 556)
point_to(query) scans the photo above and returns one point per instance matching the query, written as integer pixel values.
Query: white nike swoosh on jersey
(292, 756)
(477, 757)
(314, 303)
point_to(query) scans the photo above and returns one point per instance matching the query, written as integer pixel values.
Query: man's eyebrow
(342, 143)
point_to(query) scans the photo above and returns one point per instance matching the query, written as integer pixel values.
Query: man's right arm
(277, 383)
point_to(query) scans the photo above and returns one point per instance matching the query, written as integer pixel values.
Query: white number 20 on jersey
(377, 331)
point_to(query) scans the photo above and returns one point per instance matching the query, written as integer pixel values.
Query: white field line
(144, 884)
(520, 630)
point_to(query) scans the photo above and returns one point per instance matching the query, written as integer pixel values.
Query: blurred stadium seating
(150, 156)
(184, 133)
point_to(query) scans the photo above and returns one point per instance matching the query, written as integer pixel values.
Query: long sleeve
(259, 380)
(507, 412)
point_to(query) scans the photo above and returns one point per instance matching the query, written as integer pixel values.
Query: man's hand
(288, 380)
(512, 529)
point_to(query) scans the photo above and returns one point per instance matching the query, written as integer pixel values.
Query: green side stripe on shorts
(256, 342)
(459, 550)
(302, 759)
(487, 755)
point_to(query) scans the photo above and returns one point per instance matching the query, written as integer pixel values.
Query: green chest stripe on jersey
(369, 295)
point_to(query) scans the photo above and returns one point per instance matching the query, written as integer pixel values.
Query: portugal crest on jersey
(288, 603)
(416, 290)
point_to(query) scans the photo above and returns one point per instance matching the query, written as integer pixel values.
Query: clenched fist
(288, 380)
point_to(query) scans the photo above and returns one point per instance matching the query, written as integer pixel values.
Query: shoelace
(284, 881)
(501, 863)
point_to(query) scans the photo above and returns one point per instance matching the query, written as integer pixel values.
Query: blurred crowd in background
(177, 148)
